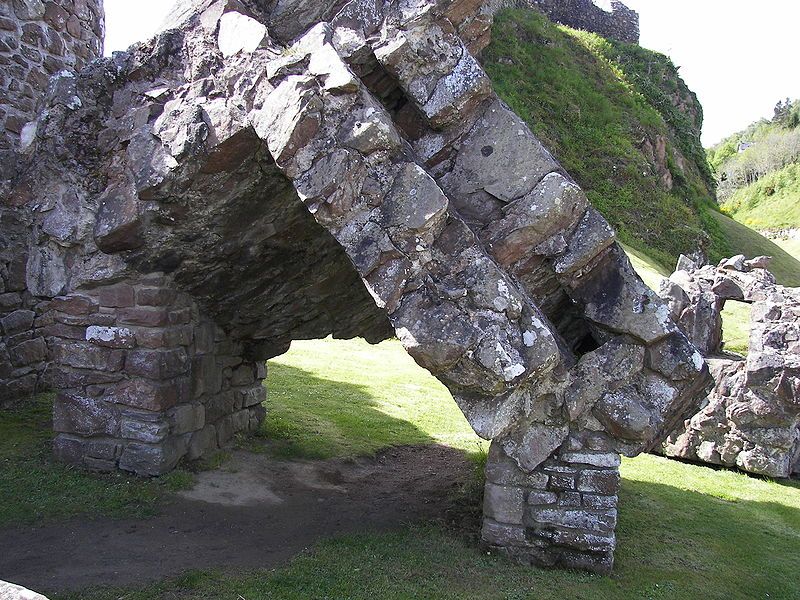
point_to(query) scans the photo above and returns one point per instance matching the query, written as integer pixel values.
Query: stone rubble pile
(751, 420)
(263, 172)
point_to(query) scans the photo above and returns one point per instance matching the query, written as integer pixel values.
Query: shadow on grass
(312, 417)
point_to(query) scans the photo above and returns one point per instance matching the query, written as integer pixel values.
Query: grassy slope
(685, 531)
(771, 203)
(594, 115)
(750, 243)
(33, 486)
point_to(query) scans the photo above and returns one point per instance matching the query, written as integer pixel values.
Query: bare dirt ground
(253, 512)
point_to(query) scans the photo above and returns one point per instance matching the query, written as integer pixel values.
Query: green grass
(347, 398)
(685, 531)
(34, 487)
(772, 203)
(791, 247)
(751, 243)
(593, 105)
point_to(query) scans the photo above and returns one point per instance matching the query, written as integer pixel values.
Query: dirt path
(253, 512)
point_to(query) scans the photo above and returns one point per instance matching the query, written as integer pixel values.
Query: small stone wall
(143, 380)
(564, 513)
(39, 38)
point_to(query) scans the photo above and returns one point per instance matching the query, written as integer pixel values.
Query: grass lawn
(791, 247)
(34, 487)
(685, 531)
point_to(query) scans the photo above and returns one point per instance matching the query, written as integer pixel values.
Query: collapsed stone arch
(751, 419)
(261, 174)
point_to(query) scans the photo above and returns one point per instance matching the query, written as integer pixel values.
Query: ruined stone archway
(257, 175)
(751, 419)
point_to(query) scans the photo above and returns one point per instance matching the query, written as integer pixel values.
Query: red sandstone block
(74, 305)
(157, 364)
(146, 317)
(155, 296)
(148, 395)
(116, 296)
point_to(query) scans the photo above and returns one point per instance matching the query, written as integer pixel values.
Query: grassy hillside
(750, 243)
(758, 171)
(602, 108)
(771, 203)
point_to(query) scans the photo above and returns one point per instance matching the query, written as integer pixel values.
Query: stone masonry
(37, 39)
(608, 18)
(263, 172)
(751, 420)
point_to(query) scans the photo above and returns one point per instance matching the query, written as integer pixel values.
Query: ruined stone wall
(619, 23)
(37, 39)
(143, 380)
(751, 419)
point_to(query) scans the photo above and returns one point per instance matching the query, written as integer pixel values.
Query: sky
(739, 56)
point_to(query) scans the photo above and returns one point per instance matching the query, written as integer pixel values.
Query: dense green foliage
(758, 171)
(596, 105)
(685, 531)
(772, 202)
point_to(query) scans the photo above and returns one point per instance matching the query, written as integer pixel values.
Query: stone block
(572, 518)
(145, 317)
(157, 364)
(230, 425)
(153, 459)
(17, 321)
(88, 356)
(502, 534)
(28, 352)
(243, 375)
(149, 395)
(78, 414)
(150, 428)
(186, 418)
(111, 337)
(202, 441)
(153, 296)
(595, 459)
(504, 504)
(503, 470)
(605, 482)
(74, 305)
(253, 396)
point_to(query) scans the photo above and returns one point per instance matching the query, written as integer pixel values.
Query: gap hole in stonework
(736, 326)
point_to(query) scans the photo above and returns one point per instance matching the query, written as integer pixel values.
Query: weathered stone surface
(751, 419)
(294, 170)
(9, 591)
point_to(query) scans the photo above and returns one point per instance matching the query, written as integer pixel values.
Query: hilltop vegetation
(621, 121)
(758, 171)
(627, 128)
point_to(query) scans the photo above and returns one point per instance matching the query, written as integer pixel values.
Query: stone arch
(237, 182)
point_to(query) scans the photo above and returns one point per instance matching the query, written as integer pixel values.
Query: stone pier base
(144, 380)
(563, 514)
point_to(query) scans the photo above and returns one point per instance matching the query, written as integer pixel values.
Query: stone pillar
(144, 380)
(561, 514)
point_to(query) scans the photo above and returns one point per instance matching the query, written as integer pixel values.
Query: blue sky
(740, 56)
